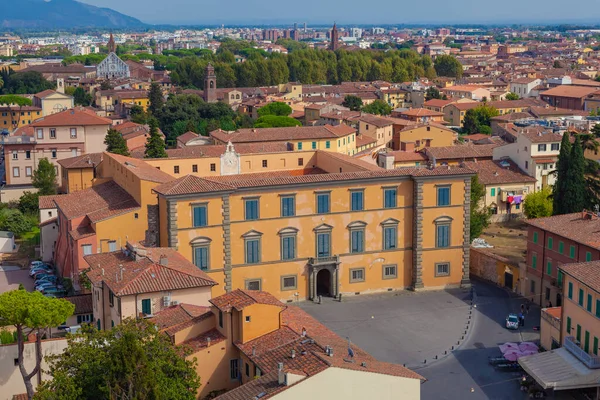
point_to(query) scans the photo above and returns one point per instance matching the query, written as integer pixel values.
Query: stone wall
(151, 238)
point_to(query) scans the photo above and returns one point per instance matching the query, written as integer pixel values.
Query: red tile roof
(437, 103)
(240, 299)
(375, 120)
(216, 151)
(461, 152)
(174, 316)
(421, 112)
(46, 202)
(571, 226)
(90, 160)
(98, 202)
(495, 172)
(587, 273)
(77, 116)
(186, 137)
(83, 303)
(571, 91)
(140, 168)
(283, 134)
(126, 276)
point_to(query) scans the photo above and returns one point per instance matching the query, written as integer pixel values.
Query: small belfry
(210, 84)
(112, 47)
(334, 45)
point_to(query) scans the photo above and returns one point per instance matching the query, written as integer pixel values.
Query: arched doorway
(324, 282)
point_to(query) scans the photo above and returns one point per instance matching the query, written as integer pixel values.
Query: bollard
(425, 362)
(320, 299)
(457, 342)
(463, 337)
(340, 298)
(445, 351)
(436, 357)
(452, 347)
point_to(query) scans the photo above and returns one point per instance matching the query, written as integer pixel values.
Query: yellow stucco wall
(579, 315)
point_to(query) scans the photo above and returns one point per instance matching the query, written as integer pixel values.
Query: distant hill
(61, 14)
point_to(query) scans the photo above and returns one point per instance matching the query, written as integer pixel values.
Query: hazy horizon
(193, 12)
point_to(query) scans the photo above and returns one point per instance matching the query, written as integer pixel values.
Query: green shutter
(568, 324)
(586, 345)
(493, 192)
(550, 243)
(561, 247)
(146, 306)
(588, 256)
(534, 261)
(572, 252)
(578, 333)
(560, 279)
(549, 268)
(595, 346)
(535, 237)
(570, 294)
(580, 299)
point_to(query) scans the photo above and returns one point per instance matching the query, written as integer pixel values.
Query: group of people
(524, 311)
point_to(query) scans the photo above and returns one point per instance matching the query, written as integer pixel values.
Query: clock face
(112, 67)
(229, 162)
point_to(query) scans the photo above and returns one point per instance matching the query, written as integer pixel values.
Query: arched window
(201, 252)
(212, 84)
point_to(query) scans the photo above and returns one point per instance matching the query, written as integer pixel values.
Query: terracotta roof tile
(282, 134)
(140, 168)
(77, 116)
(461, 151)
(375, 120)
(571, 226)
(239, 299)
(495, 172)
(201, 341)
(90, 160)
(83, 303)
(147, 274)
(174, 316)
(219, 149)
(421, 112)
(46, 202)
(186, 137)
(570, 91)
(587, 273)
(101, 201)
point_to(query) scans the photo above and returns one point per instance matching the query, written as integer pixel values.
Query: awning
(560, 370)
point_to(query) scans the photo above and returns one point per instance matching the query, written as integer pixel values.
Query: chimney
(293, 354)
(280, 374)
(164, 261)
(303, 331)
(207, 341)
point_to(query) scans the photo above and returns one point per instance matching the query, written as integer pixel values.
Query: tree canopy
(562, 183)
(275, 108)
(480, 216)
(31, 311)
(115, 143)
(131, 361)
(512, 96)
(44, 178)
(14, 99)
(275, 121)
(354, 103)
(574, 197)
(446, 65)
(156, 99)
(478, 117)
(378, 107)
(538, 204)
(81, 97)
(23, 82)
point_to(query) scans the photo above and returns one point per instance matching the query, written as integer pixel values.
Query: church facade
(112, 67)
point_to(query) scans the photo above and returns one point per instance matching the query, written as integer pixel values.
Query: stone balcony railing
(590, 361)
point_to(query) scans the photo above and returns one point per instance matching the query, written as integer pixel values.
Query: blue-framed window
(288, 206)
(200, 216)
(324, 244)
(288, 247)
(323, 201)
(201, 257)
(442, 235)
(357, 200)
(390, 237)
(252, 251)
(251, 206)
(443, 196)
(357, 241)
(390, 198)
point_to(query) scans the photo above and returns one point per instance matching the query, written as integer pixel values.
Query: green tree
(557, 64)
(275, 108)
(29, 203)
(432, 93)
(378, 107)
(449, 66)
(562, 170)
(512, 96)
(106, 85)
(354, 103)
(138, 115)
(134, 361)
(275, 121)
(155, 145)
(477, 117)
(115, 143)
(14, 221)
(25, 82)
(538, 204)
(31, 312)
(480, 216)
(44, 178)
(575, 196)
(156, 99)
(81, 97)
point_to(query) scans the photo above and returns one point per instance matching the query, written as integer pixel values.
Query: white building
(112, 67)
(524, 87)
(535, 153)
(356, 32)
(48, 227)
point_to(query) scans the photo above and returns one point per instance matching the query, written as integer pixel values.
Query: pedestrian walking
(527, 307)
(522, 308)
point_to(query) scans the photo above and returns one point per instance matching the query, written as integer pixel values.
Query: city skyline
(188, 12)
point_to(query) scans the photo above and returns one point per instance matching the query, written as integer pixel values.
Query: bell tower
(210, 84)
(112, 47)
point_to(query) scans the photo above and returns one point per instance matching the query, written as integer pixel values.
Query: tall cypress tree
(574, 198)
(115, 143)
(155, 145)
(156, 99)
(562, 179)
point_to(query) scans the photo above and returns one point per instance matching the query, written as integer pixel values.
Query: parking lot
(11, 277)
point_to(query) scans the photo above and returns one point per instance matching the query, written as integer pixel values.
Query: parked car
(35, 264)
(47, 278)
(512, 321)
(43, 274)
(39, 269)
(45, 284)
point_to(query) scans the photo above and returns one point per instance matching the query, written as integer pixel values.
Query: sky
(248, 12)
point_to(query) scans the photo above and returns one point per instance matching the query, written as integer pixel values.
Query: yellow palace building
(332, 225)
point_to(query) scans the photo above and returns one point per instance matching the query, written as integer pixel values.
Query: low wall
(494, 268)
(11, 380)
